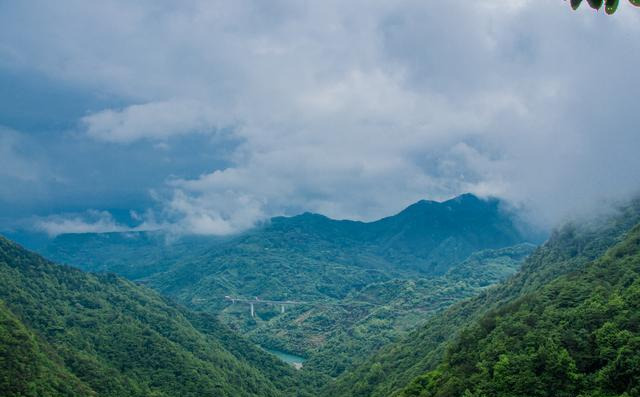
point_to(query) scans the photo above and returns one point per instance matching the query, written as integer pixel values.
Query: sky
(208, 117)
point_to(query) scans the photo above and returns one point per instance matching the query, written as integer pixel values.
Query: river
(295, 361)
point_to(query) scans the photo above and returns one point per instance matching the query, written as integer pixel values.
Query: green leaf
(595, 4)
(611, 6)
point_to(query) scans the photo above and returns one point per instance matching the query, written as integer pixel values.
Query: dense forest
(336, 335)
(250, 198)
(579, 335)
(557, 320)
(134, 255)
(65, 332)
(364, 284)
(304, 257)
(570, 249)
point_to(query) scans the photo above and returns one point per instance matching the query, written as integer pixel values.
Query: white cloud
(91, 222)
(219, 213)
(154, 120)
(355, 109)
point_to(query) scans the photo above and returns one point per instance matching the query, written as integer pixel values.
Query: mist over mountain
(433, 253)
(573, 254)
(319, 198)
(371, 298)
(426, 237)
(218, 115)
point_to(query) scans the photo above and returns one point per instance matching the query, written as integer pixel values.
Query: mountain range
(385, 308)
(272, 261)
(331, 265)
(575, 251)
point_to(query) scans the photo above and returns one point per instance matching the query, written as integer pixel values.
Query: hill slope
(303, 257)
(333, 266)
(27, 365)
(134, 255)
(311, 257)
(334, 336)
(579, 335)
(569, 249)
(65, 332)
(326, 263)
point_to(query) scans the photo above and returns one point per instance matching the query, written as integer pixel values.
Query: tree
(610, 6)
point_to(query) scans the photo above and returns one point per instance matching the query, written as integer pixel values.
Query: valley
(356, 286)
(64, 332)
(409, 324)
(250, 198)
(296, 361)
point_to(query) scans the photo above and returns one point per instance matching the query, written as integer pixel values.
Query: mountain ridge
(112, 338)
(426, 231)
(577, 335)
(569, 249)
(321, 261)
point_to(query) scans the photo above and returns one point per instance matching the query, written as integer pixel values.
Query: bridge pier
(256, 300)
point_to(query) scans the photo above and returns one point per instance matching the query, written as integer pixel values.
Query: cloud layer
(90, 222)
(352, 109)
(155, 120)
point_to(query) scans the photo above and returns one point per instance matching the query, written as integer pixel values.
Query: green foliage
(565, 325)
(611, 6)
(366, 283)
(306, 257)
(568, 250)
(337, 334)
(65, 332)
(28, 367)
(579, 335)
(134, 255)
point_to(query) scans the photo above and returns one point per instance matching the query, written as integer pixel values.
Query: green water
(288, 358)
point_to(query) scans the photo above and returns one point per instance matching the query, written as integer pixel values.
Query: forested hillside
(337, 334)
(569, 249)
(253, 198)
(577, 336)
(565, 321)
(303, 257)
(29, 367)
(363, 284)
(134, 255)
(65, 332)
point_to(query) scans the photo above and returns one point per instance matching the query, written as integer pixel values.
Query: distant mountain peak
(467, 200)
(470, 198)
(466, 196)
(463, 199)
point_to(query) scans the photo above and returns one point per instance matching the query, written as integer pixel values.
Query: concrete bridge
(258, 301)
